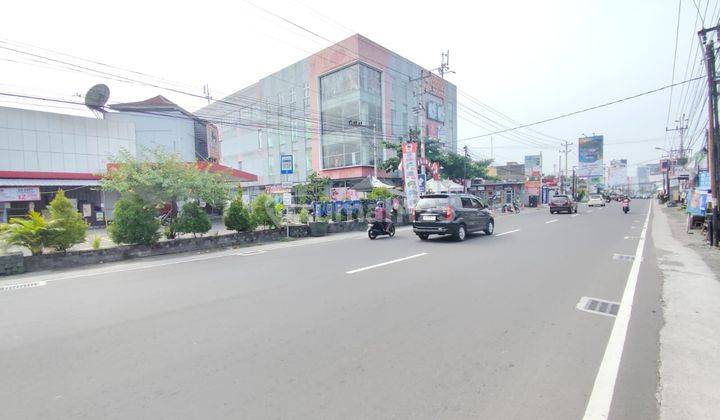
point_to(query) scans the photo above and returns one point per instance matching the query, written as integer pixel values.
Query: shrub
(30, 233)
(193, 219)
(67, 225)
(134, 222)
(304, 216)
(264, 211)
(238, 218)
(97, 239)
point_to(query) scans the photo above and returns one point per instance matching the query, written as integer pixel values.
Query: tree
(134, 222)
(158, 178)
(193, 219)
(237, 217)
(304, 216)
(380, 193)
(67, 225)
(30, 233)
(264, 211)
(315, 189)
(454, 166)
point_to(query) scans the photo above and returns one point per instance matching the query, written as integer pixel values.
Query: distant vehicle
(561, 203)
(451, 214)
(596, 200)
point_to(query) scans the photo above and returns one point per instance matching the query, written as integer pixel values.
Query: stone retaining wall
(15, 263)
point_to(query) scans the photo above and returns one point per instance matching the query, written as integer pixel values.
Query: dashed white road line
(19, 286)
(370, 267)
(575, 215)
(551, 221)
(508, 232)
(590, 211)
(598, 406)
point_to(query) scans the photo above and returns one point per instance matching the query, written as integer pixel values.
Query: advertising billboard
(533, 165)
(590, 157)
(19, 194)
(410, 173)
(286, 164)
(618, 172)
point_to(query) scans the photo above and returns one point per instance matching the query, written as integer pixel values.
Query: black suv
(451, 214)
(563, 203)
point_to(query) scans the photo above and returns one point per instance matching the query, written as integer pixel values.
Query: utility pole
(566, 144)
(375, 151)
(681, 126)
(467, 156)
(560, 180)
(712, 128)
(492, 155)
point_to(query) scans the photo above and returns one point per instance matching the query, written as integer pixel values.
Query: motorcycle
(626, 207)
(375, 229)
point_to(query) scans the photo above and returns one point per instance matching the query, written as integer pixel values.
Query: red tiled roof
(234, 173)
(237, 175)
(49, 175)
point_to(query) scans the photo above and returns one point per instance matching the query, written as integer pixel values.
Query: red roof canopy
(49, 175)
(215, 168)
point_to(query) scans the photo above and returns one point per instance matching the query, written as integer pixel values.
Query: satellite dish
(97, 96)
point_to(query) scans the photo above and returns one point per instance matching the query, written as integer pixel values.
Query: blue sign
(703, 180)
(421, 183)
(696, 202)
(286, 164)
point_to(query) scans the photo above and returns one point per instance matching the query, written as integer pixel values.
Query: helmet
(380, 204)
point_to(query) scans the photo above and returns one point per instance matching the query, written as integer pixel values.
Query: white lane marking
(551, 221)
(575, 215)
(598, 406)
(253, 252)
(590, 211)
(18, 286)
(370, 267)
(508, 232)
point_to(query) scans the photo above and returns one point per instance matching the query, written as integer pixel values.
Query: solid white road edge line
(508, 232)
(598, 406)
(551, 221)
(370, 267)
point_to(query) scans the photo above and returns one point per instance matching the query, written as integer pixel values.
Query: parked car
(451, 214)
(561, 203)
(596, 200)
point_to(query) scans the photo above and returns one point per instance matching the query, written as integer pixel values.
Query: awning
(370, 182)
(29, 182)
(53, 179)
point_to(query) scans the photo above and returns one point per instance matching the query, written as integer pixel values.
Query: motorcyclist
(381, 216)
(626, 202)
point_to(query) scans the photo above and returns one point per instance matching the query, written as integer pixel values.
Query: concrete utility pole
(467, 156)
(566, 144)
(712, 138)
(681, 126)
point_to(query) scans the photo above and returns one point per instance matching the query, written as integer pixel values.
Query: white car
(596, 200)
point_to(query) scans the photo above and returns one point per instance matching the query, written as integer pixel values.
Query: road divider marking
(590, 211)
(19, 286)
(575, 215)
(551, 221)
(598, 406)
(631, 237)
(370, 267)
(623, 257)
(508, 232)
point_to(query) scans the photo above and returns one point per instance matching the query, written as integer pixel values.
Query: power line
(627, 98)
(672, 79)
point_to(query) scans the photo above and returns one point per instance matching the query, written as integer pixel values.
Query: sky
(527, 60)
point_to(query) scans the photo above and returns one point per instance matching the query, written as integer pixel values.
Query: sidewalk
(690, 337)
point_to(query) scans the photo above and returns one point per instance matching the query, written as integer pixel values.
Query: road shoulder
(690, 337)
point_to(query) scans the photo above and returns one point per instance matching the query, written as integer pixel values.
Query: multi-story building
(330, 113)
(41, 152)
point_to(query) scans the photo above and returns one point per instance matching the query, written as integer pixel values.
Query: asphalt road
(486, 328)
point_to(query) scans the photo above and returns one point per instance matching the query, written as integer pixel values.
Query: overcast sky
(530, 60)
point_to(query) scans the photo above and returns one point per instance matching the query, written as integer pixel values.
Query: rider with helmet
(381, 215)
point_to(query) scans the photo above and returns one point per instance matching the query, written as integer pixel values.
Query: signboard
(99, 216)
(533, 165)
(618, 172)
(697, 202)
(286, 164)
(703, 180)
(287, 199)
(213, 142)
(343, 193)
(532, 187)
(20, 194)
(87, 210)
(410, 173)
(590, 157)
(421, 183)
